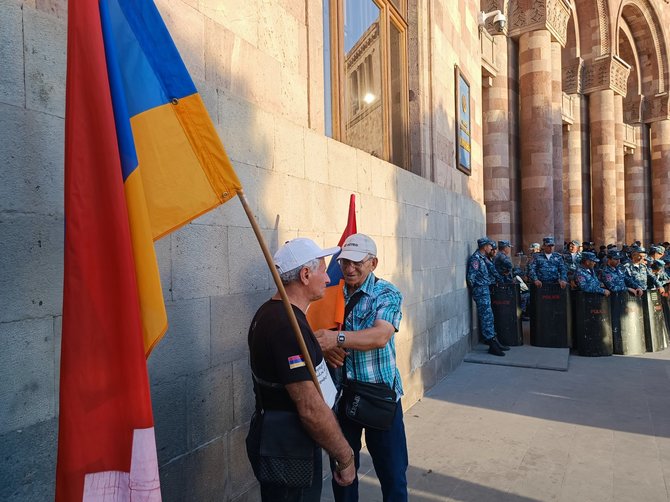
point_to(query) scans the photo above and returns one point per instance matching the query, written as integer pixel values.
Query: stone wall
(262, 90)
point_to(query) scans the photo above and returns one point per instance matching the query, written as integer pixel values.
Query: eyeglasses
(344, 263)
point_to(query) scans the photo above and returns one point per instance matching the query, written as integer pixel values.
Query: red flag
(142, 158)
(105, 439)
(328, 312)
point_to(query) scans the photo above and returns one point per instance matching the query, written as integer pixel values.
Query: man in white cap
(281, 379)
(368, 341)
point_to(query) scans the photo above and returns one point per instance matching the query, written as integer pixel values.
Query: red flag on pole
(105, 405)
(328, 312)
(142, 158)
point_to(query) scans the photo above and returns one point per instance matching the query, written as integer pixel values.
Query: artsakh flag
(142, 158)
(328, 312)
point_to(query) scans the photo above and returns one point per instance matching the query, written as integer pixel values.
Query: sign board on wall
(463, 131)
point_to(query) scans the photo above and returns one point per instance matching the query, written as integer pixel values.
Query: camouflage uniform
(503, 265)
(616, 280)
(641, 274)
(658, 271)
(571, 264)
(480, 276)
(587, 281)
(549, 270)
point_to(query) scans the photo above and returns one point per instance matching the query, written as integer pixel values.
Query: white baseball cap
(297, 252)
(357, 247)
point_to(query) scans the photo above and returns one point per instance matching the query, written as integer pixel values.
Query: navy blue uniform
(642, 275)
(587, 281)
(480, 276)
(571, 263)
(548, 269)
(503, 265)
(616, 280)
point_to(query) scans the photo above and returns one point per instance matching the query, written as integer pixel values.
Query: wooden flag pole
(280, 288)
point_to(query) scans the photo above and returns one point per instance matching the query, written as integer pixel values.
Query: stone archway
(640, 42)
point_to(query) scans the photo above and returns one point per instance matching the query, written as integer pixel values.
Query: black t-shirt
(275, 353)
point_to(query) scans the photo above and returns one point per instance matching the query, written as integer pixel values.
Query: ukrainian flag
(173, 163)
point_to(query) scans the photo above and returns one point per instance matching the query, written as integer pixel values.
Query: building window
(365, 64)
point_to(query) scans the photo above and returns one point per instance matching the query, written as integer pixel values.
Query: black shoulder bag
(279, 449)
(369, 404)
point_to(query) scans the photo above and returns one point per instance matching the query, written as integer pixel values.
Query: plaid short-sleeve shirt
(380, 300)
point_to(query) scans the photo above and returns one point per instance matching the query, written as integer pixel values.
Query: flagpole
(280, 288)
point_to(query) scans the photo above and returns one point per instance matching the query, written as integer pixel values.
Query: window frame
(388, 15)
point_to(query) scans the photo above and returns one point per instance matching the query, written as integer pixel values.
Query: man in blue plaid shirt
(368, 342)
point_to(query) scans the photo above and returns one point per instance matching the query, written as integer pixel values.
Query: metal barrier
(627, 313)
(550, 316)
(506, 305)
(655, 329)
(593, 327)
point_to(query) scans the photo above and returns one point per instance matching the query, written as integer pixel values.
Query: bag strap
(348, 309)
(353, 301)
(259, 382)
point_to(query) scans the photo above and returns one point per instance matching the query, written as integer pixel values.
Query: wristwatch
(341, 339)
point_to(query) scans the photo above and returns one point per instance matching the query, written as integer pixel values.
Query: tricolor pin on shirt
(296, 362)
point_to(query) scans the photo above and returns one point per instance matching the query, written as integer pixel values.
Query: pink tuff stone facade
(593, 122)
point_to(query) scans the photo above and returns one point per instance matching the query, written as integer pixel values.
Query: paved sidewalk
(597, 432)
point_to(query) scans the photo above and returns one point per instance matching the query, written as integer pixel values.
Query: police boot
(500, 344)
(494, 348)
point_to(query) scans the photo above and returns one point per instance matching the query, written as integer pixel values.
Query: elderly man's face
(355, 272)
(318, 280)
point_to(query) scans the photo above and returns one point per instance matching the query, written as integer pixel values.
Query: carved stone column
(557, 140)
(537, 126)
(636, 186)
(603, 167)
(660, 180)
(572, 174)
(603, 77)
(618, 159)
(496, 133)
(537, 24)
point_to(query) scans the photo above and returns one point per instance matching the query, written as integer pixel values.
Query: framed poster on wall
(463, 131)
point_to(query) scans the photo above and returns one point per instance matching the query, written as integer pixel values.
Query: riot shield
(550, 316)
(655, 329)
(593, 327)
(627, 313)
(506, 305)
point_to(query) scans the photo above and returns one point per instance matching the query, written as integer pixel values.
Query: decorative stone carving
(531, 15)
(572, 76)
(604, 27)
(657, 108)
(633, 109)
(606, 72)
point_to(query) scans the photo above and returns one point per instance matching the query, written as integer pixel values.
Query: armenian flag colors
(142, 158)
(328, 312)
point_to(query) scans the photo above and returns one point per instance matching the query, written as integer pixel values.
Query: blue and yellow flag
(141, 159)
(173, 163)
